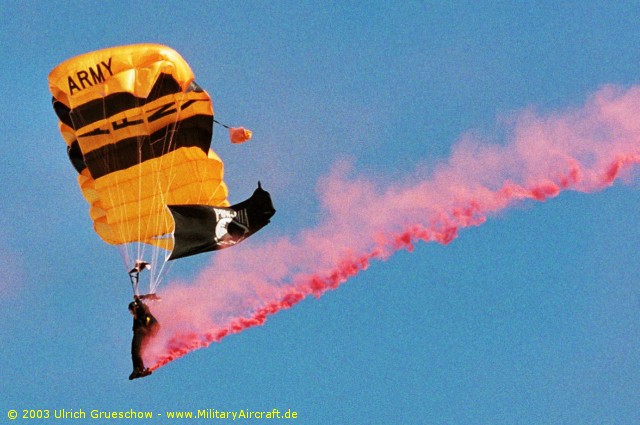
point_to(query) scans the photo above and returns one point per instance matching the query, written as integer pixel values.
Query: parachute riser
(134, 277)
(134, 274)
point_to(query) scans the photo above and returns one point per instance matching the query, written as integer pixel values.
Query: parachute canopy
(138, 131)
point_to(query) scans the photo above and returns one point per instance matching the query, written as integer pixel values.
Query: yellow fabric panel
(128, 69)
(155, 204)
(120, 216)
(87, 185)
(163, 176)
(165, 243)
(67, 133)
(124, 231)
(132, 202)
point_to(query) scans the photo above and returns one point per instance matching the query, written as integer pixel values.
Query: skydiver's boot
(140, 373)
(134, 374)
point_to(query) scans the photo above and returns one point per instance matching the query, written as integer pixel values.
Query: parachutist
(145, 327)
(150, 127)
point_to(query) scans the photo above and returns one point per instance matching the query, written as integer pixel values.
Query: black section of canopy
(99, 109)
(62, 111)
(195, 225)
(75, 156)
(195, 131)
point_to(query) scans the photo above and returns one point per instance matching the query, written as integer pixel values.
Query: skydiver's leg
(149, 333)
(136, 351)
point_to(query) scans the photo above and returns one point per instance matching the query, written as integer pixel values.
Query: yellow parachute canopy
(138, 130)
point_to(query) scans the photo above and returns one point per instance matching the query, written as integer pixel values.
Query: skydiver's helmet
(132, 306)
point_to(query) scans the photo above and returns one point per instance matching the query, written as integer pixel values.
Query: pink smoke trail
(584, 149)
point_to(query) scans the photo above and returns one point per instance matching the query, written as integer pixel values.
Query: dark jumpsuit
(145, 327)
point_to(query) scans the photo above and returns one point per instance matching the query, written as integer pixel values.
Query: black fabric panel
(110, 105)
(62, 111)
(195, 225)
(194, 230)
(75, 156)
(194, 131)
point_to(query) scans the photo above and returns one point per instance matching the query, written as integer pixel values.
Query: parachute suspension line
(161, 219)
(140, 142)
(157, 191)
(150, 188)
(144, 191)
(139, 245)
(160, 272)
(118, 198)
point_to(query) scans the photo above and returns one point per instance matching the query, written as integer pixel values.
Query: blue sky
(532, 317)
